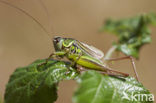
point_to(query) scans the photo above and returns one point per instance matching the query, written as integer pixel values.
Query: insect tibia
(118, 73)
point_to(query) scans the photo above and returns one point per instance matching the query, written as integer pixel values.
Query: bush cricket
(79, 53)
(85, 55)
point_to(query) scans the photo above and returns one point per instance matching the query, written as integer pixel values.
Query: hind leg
(132, 62)
(112, 74)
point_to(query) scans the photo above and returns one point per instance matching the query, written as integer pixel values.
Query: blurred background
(22, 40)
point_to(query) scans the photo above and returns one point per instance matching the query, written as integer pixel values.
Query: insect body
(79, 53)
(82, 54)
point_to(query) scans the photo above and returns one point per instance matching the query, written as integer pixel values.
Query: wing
(90, 50)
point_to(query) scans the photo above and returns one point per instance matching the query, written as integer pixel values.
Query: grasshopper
(84, 55)
(79, 53)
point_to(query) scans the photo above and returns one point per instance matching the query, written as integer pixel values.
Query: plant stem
(110, 52)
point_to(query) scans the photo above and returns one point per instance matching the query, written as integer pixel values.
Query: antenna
(47, 13)
(27, 14)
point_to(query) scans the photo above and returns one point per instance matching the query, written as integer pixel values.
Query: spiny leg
(110, 70)
(55, 54)
(132, 61)
(46, 61)
(73, 52)
(73, 64)
(50, 56)
(81, 69)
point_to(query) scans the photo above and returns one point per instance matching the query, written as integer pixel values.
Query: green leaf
(33, 84)
(37, 84)
(132, 33)
(1, 100)
(97, 88)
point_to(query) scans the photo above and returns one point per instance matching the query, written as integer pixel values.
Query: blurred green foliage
(0, 99)
(132, 33)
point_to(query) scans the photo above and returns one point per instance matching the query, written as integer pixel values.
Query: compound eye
(57, 39)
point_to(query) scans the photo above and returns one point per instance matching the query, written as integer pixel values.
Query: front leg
(56, 54)
(52, 55)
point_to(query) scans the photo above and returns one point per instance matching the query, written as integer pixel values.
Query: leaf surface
(97, 88)
(37, 84)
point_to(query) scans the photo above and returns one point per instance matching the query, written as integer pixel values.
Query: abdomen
(91, 63)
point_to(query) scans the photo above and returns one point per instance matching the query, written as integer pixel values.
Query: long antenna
(27, 14)
(47, 13)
